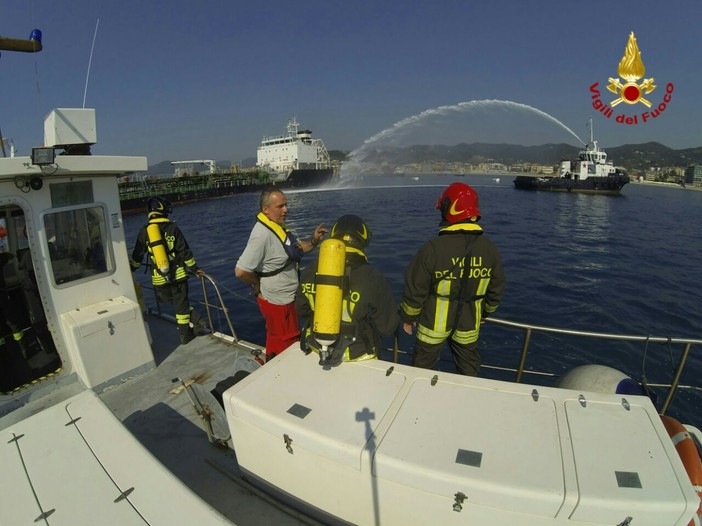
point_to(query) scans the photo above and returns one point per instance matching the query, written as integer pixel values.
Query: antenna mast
(90, 61)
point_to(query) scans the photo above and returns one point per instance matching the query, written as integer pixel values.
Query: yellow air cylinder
(158, 248)
(329, 292)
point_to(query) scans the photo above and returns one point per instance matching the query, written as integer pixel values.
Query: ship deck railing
(528, 330)
(215, 306)
(194, 183)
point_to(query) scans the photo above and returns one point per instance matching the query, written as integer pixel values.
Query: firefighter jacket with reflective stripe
(179, 254)
(369, 310)
(453, 282)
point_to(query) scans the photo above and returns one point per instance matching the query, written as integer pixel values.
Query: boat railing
(672, 387)
(529, 329)
(217, 305)
(220, 306)
(212, 307)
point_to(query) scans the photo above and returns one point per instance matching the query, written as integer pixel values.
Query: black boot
(200, 327)
(185, 333)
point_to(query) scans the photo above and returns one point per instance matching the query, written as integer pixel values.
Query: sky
(208, 79)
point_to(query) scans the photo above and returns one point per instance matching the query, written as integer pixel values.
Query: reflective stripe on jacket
(440, 282)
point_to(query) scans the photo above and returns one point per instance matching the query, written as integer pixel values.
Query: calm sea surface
(623, 265)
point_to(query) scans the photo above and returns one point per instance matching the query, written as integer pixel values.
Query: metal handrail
(222, 306)
(529, 329)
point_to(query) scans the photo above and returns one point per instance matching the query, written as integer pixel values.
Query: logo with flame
(631, 69)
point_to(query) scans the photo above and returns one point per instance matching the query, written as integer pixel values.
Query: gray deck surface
(160, 414)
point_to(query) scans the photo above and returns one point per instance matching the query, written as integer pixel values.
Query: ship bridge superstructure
(592, 162)
(297, 150)
(186, 168)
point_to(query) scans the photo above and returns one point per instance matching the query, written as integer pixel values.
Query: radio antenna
(90, 61)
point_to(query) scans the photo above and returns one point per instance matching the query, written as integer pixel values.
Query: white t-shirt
(265, 253)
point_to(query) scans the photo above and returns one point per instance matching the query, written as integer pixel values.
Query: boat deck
(158, 412)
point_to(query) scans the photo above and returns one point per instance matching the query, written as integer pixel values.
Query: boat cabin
(68, 308)
(591, 162)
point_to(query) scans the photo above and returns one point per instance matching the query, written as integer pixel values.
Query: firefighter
(452, 284)
(171, 260)
(368, 310)
(9, 316)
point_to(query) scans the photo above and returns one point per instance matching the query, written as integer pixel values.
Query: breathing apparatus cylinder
(329, 292)
(158, 248)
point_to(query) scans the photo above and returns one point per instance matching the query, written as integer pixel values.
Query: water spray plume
(357, 156)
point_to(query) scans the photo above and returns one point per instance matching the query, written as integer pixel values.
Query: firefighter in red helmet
(452, 284)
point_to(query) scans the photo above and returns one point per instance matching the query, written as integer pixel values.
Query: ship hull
(609, 185)
(307, 178)
(183, 190)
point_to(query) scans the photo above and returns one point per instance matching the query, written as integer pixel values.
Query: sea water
(625, 264)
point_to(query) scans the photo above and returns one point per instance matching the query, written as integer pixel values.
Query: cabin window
(78, 244)
(73, 193)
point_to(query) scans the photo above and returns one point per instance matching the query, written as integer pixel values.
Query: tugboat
(590, 173)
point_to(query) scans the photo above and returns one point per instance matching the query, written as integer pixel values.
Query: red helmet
(458, 203)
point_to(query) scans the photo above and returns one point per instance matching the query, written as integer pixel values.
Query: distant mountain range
(630, 156)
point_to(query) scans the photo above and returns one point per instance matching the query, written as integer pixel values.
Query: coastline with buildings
(683, 177)
(651, 161)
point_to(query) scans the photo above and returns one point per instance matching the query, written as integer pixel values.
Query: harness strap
(290, 244)
(464, 285)
(336, 281)
(274, 272)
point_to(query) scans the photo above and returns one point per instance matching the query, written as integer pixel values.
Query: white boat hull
(363, 445)
(75, 464)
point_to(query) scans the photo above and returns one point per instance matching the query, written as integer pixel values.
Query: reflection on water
(584, 217)
(583, 222)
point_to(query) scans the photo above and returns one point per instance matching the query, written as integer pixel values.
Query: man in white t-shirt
(270, 265)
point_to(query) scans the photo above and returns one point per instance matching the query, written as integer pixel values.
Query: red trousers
(282, 326)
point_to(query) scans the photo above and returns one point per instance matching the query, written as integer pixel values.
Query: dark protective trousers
(177, 294)
(466, 356)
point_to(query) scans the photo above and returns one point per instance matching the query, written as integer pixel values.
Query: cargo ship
(294, 160)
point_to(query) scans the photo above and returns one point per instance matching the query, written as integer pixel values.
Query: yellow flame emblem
(453, 210)
(631, 69)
